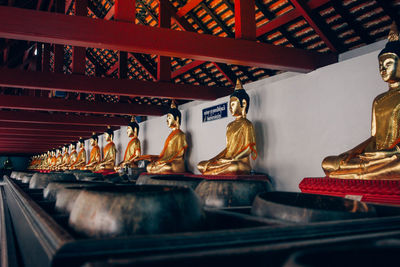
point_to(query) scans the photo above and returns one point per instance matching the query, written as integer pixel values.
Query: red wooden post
(79, 53)
(164, 63)
(245, 19)
(125, 10)
(59, 49)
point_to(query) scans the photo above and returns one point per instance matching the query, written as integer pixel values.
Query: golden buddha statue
(109, 152)
(241, 140)
(95, 156)
(171, 159)
(378, 157)
(59, 159)
(80, 161)
(53, 160)
(65, 158)
(132, 151)
(72, 156)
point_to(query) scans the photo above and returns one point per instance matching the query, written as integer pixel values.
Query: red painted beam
(287, 17)
(62, 105)
(57, 119)
(5, 138)
(22, 132)
(164, 63)
(305, 11)
(186, 68)
(125, 11)
(64, 128)
(79, 53)
(245, 19)
(101, 85)
(60, 29)
(190, 5)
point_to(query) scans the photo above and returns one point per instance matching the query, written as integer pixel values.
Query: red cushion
(378, 191)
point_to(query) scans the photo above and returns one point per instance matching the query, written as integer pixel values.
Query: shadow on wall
(188, 151)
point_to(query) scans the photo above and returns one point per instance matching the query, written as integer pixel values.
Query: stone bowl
(171, 180)
(65, 199)
(307, 208)
(26, 178)
(143, 178)
(51, 190)
(230, 193)
(130, 210)
(87, 176)
(41, 180)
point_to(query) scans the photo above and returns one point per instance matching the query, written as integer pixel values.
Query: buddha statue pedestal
(377, 191)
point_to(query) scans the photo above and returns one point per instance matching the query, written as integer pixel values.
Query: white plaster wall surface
(299, 120)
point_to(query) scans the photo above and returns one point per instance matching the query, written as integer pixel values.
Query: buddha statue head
(133, 128)
(94, 139)
(389, 67)
(108, 134)
(239, 101)
(72, 146)
(174, 116)
(81, 143)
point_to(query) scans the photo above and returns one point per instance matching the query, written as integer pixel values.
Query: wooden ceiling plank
(104, 34)
(103, 85)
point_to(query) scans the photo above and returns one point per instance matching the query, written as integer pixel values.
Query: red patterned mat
(378, 191)
(232, 177)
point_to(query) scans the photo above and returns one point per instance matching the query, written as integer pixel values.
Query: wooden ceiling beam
(22, 132)
(306, 12)
(102, 85)
(43, 127)
(190, 5)
(61, 29)
(288, 17)
(56, 119)
(63, 105)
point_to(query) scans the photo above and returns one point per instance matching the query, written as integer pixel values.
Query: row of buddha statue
(234, 159)
(376, 158)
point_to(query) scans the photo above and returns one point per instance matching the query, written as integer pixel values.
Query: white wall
(299, 119)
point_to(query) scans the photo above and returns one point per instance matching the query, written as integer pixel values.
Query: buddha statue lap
(132, 151)
(65, 158)
(171, 159)
(95, 156)
(80, 161)
(241, 140)
(109, 152)
(72, 156)
(377, 158)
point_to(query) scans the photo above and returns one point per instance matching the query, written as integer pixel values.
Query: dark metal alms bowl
(171, 180)
(306, 208)
(41, 180)
(50, 192)
(230, 193)
(26, 178)
(129, 210)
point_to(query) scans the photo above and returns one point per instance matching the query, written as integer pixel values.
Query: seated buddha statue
(72, 156)
(240, 140)
(132, 151)
(378, 157)
(65, 158)
(59, 159)
(95, 156)
(171, 159)
(109, 153)
(80, 160)
(53, 160)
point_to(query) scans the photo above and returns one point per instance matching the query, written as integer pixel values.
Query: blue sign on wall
(215, 113)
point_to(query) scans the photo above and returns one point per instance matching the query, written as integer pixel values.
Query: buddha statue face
(236, 108)
(93, 142)
(131, 132)
(171, 121)
(389, 67)
(71, 147)
(107, 137)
